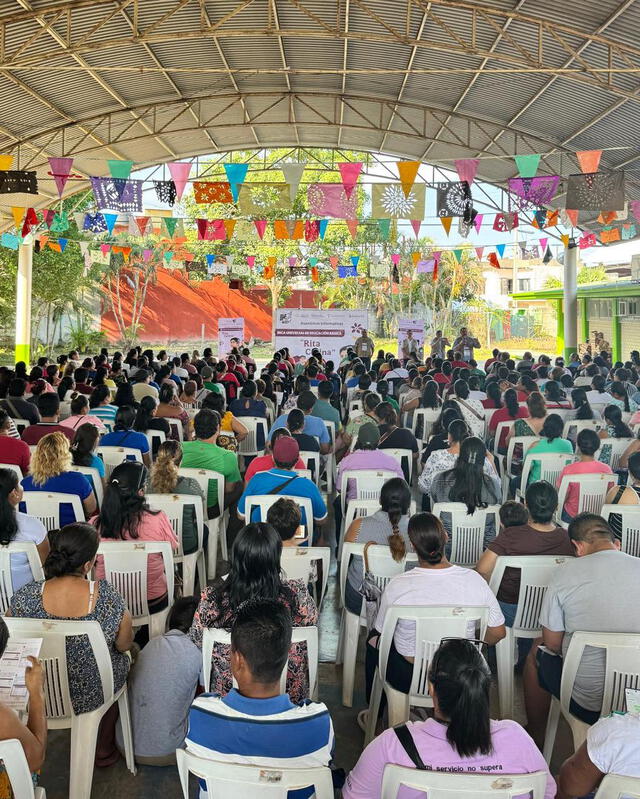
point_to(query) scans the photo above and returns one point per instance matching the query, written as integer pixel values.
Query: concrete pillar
(559, 328)
(570, 302)
(23, 301)
(584, 319)
(616, 333)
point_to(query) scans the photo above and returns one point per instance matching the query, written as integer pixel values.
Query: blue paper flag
(355, 259)
(236, 174)
(10, 241)
(210, 259)
(347, 271)
(500, 249)
(322, 227)
(63, 244)
(111, 220)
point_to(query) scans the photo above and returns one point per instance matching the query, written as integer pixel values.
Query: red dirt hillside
(175, 309)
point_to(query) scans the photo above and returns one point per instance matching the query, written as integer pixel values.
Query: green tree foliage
(588, 274)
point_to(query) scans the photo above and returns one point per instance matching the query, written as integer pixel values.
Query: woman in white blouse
(444, 459)
(472, 409)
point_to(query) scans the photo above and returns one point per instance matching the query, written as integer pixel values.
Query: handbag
(370, 590)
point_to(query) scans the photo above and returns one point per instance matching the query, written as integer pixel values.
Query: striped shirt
(273, 733)
(106, 413)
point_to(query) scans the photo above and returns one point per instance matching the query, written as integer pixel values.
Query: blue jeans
(524, 644)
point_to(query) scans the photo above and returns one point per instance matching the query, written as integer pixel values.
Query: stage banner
(302, 330)
(410, 337)
(229, 328)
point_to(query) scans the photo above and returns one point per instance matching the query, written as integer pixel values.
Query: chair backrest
(174, 506)
(615, 786)
(359, 509)
(252, 782)
(367, 483)
(572, 428)
(299, 563)
(535, 573)
(630, 516)
(176, 429)
(155, 435)
(312, 459)
(432, 624)
(27, 548)
(264, 501)
(467, 530)
(114, 456)
(404, 458)
(551, 464)
(249, 445)
(593, 491)
(622, 668)
(500, 428)
(13, 467)
(303, 473)
(21, 425)
(203, 476)
(382, 566)
(423, 420)
(331, 429)
(523, 442)
(216, 635)
(615, 449)
(53, 656)
(95, 480)
(15, 764)
(45, 505)
(125, 567)
(439, 785)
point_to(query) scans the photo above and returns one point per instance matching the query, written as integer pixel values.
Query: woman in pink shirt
(460, 737)
(125, 516)
(587, 445)
(80, 415)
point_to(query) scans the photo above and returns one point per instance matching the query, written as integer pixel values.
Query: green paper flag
(120, 169)
(527, 165)
(384, 226)
(457, 254)
(313, 262)
(170, 223)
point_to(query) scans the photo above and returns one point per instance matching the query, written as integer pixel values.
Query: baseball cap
(368, 435)
(286, 450)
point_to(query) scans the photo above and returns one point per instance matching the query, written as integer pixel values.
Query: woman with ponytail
(19, 528)
(67, 593)
(165, 479)
(386, 526)
(443, 459)
(509, 412)
(125, 516)
(461, 737)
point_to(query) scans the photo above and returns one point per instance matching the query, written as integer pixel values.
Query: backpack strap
(408, 744)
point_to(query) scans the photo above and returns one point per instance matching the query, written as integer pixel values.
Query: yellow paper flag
(6, 161)
(446, 223)
(407, 171)
(565, 239)
(18, 215)
(415, 257)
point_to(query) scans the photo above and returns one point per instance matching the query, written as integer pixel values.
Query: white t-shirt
(613, 744)
(599, 398)
(454, 585)
(401, 372)
(29, 529)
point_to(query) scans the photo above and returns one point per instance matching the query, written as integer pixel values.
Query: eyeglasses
(475, 642)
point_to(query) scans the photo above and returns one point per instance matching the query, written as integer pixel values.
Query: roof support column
(570, 301)
(616, 332)
(559, 328)
(584, 320)
(23, 301)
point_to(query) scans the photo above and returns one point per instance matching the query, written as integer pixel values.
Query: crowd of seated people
(430, 423)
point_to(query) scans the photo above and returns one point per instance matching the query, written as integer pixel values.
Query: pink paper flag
(349, 172)
(395, 259)
(415, 224)
(146, 254)
(251, 261)
(478, 222)
(543, 244)
(479, 252)
(589, 160)
(47, 216)
(292, 260)
(180, 172)
(60, 170)
(467, 168)
(635, 208)
(104, 248)
(333, 261)
(261, 226)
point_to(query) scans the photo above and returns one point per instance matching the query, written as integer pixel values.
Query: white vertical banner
(305, 329)
(410, 337)
(229, 328)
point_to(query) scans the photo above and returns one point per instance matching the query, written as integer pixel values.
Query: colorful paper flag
(479, 252)
(477, 222)
(180, 171)
(349, 172)
(527, 165)
(322, 227)
(251, 261)
(467, 168)
(384, 226)
(573, 216)
(415, 224)
(415, 257)
(6, 161)
(407, 170)
(445, 221)
(119, 169)
(589, 160)
(18, 214)
(261, 226)
(395, 258)
(236, 174)
(60, 171)
(352, 224)
(111, 220)
(293, 175)
(355, 260)
(500, 248)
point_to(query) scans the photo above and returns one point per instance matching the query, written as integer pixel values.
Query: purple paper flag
(60, 171)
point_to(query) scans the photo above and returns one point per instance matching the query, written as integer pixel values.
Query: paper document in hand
(13, 663)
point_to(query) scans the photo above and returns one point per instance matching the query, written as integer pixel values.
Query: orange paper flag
(609, 236)
(6, 161)
(552, 218)
(445, 221)
(229, 226)
(53, 245)
(573, 216)
(352, 224)
(315, 275)
(280, 229)
(565, 239)
(589, 160)
(606, 217)
(18, 215)
(407, 171)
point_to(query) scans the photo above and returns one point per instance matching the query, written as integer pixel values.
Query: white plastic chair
(615, 786)
(507, 473)
(95, 480)
(535, 573)
(264, 501)
(304, 473)
(502, 426)
(439, 785)
(300, 563)
(581, 424)
(307, 635)
(30, 550)
(13, 467)
(367, 484)
(65, 410)
(177, 432)
(593, 491)
(17, 768)
(21, 425)
(622, 670)
(330, 463)
(249, 445)
(225, 779)
(551, 464)
(432, 624)
(467, 530)
(404, 458)
(45, 505)
(155, 435)
(174, 506)
(630, 515)
(360, 508)
(383, 568)
(218, 525)
(312, 459)
(114, 456)
(428, 417)
(58, 707)
(618, 447)
(125, 567)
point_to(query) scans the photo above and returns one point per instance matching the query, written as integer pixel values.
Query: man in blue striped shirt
(255, 724)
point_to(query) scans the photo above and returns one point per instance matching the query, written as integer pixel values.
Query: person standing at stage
(465, 344)
(438, 345)
(364, 348)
